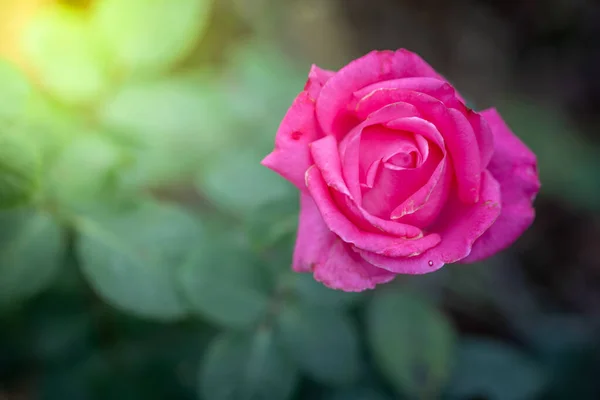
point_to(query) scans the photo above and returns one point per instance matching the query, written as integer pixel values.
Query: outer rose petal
(484, 135)
(439, 89)
(317, 77)
(346, 270)
(374, 67)
(459, 226)
(320, 250)
(514, 167)
(291, 157)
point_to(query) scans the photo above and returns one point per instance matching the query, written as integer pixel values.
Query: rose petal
(459, 226)
(313, 240)
(484, 136)
(327, 160)
(350, 233)
(317, 77)
(345, 270)
(320, 250)
(392, 187)
(380, 143)
(514, 167)
(350, 145)
(374, 67)
(454, 128)
(464, 152)
(371, 223)
(439, 89)
(431, 198)
(291, 156)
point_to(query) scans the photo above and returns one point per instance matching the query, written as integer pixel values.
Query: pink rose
(397, 175)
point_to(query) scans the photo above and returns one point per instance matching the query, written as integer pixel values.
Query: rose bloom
(397, 175)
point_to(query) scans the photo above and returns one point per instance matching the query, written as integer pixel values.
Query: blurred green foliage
(144, 252)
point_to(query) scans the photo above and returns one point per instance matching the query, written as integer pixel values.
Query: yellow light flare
(14, 17)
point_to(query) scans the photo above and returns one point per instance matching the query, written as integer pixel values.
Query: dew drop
(430, 263)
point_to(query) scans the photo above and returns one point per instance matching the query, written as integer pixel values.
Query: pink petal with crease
(514, 167)
(464, 152)
(376, 66)
(347, 271)
(350, 145)
(350, 233)
(433, 87)
(317, 77)
(291, 156)
(453, 126)
(327, 161)
(484, 136)
(459, 226)
(320, 251)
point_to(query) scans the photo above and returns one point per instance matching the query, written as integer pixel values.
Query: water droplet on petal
(430, 263)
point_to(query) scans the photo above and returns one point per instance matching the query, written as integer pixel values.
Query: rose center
(402, 160)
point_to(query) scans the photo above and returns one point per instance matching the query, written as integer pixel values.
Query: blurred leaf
(260, 88)
(494, 371)
(237, 182)
(50, 126)
(174, 123)
(19, 169)
(551, 137)
(314, 293)
(87, 169)
(358, 393)
(31, 250)
(273, 221)
(60, 328)
(60, 46)
(131, 258)
(324, 343)
(149, 35)
(250, 367)
(15, 91)
(567, 347)
(222, 283)
(412, 343)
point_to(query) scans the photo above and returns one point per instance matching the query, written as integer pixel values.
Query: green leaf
(261, 86)
(223, 284)
(19, 169)
(273, 221)
(411, 342)
(246, 367)
(60, 46)
(237, 182)
(86, 170)
(495, 371)
(149, 35)
(175, 123)
(31, 254)
(132, 258)
(324, 343)
(15, 91)
(314, 293)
